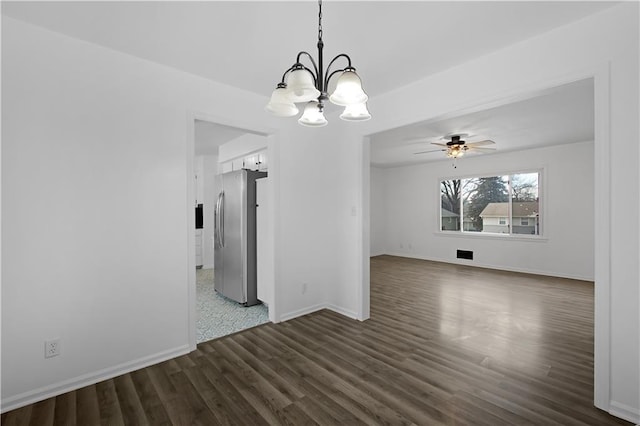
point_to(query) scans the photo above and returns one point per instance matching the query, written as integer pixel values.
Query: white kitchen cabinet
(255, 161)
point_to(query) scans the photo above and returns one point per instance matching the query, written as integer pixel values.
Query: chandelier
(301, 84)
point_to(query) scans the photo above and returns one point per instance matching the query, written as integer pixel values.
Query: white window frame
(490, 235)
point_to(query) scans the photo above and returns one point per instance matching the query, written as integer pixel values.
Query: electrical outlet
(51, 348)
(304, 288)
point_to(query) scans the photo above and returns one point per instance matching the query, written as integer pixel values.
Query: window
(504, 204)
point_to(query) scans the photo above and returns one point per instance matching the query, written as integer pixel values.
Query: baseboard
(207, 266)
(300, 312)
(342, 311)
(318, 307)
(56, 389)
(489, 266)
(625, 412)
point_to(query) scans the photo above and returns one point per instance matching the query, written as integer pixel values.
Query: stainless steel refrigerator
(235, 236)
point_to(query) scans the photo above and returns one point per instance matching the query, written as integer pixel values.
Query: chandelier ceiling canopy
(301, 84)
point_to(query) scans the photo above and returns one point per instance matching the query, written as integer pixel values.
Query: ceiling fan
(456, 147)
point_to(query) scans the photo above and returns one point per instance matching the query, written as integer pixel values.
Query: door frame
(191, 118)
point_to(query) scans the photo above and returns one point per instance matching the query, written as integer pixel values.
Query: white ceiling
(559, 115)
(249, 45)
(209, 136)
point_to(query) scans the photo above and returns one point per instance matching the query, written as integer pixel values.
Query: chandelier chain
(320, 20)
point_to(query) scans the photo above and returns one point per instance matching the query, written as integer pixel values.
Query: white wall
(567, 247)
(378, 211)
(97, 143)
(605, 46)
(318, 218)
(97, 206)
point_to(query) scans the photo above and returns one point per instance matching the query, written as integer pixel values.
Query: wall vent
(465, 254)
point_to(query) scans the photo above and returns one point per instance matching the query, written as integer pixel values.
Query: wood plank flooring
(445, 344)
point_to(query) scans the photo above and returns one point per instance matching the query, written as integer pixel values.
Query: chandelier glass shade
(356, 112)
(312, 115)
(348, 90)
(309, 85)
(280, 104)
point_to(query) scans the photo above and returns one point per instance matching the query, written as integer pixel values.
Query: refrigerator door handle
(217, 220)
(221, 219)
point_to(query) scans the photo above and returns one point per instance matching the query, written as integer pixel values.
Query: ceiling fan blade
(439, 144)
(425, 152)
(481, 143)
(473, 148)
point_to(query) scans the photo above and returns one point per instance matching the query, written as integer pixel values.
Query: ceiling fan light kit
(301, 84)
(456, 151)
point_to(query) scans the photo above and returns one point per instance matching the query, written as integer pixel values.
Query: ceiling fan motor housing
(455, 140)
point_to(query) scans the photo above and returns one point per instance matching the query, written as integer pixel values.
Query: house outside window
(504, 204)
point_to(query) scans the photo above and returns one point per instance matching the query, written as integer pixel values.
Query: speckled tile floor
(219, 316)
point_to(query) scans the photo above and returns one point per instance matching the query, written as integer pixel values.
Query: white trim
(320, 306)
(301, 312)
(342, 311)
(602, 236)
(190, 153)
(273, 191)
(624, 412)
(78, 382)
(491, 236)
(363, 229)
(475, 264)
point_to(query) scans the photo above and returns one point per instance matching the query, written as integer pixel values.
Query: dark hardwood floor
(445, 344)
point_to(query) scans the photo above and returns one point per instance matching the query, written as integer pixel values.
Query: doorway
(217, 148)
(601, 213)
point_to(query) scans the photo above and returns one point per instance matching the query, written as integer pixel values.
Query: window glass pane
(525, 209)
(488, 203)
(450, 205)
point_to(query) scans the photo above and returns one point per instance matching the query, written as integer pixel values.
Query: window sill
(489, 236)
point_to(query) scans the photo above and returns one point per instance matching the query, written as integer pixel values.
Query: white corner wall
(566, 248)
(605, 46)
(318, 220)
(96, 208)
(378, 211)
